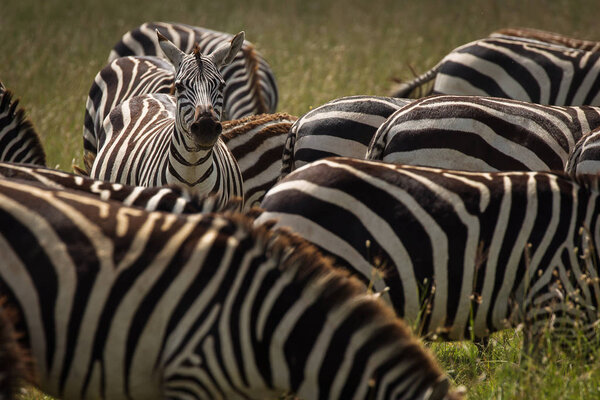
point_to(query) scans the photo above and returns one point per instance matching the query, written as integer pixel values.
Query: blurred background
(319, 50)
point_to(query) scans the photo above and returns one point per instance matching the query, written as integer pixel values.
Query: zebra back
(548, 37)
(250, 86)
(458, 254)
(203, 306)
(122, 79)
(482, 134)
(19, 142)
(341, 127)
(173, 199)
(257, 143)
(521, 69)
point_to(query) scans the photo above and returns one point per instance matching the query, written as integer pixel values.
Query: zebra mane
(243, 125)
(198, 56)
(16, 364)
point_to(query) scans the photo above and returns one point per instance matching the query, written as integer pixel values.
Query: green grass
(319, 50)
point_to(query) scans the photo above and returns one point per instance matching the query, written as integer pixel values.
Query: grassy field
(319, 50)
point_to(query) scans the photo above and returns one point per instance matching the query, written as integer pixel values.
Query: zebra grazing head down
(199, 88)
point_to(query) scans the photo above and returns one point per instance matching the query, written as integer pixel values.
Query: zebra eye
(221, 85)
(179, 87)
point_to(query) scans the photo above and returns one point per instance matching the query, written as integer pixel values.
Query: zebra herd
(151, 273)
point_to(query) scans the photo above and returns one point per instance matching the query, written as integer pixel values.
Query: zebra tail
(407, 89)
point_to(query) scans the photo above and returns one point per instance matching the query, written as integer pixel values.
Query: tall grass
(52, 49)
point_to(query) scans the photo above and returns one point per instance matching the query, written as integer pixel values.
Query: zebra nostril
(206, 130)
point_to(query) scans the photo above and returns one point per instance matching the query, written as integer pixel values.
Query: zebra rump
(121, 303)
(341, 127)
(257, 144)
(19, 142)
(515, 68)
(120, 80)
(482, 134)
(250, 86)
(173, 199)
(463, 254)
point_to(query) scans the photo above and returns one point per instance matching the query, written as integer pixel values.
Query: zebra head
(199, 88)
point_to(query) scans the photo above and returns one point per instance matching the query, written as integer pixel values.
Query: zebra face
(199, 93)
(199, 89)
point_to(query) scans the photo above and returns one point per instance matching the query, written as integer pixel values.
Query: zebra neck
(190, 167)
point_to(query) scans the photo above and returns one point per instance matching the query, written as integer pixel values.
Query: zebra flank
(158, 139)
(121, 303)
(19, 142)
(477, 133)
(515, 68)
(341, 127)
(257, 143)
(122, 79)
(171, 199)
(548, 37)
(250, 85)
(463, 254)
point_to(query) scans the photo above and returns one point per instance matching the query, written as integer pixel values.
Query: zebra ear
(226, 52)
(170, 50)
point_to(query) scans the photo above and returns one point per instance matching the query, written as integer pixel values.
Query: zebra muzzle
(206, 130)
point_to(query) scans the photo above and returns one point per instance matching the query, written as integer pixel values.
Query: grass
(319, 50)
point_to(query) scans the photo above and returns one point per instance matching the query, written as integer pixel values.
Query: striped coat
(482, 134)
(515, 68)
(19, 141)
(463, 254)
(257, 144)
(155, 140)
(250, 86)
(120, 303)
(340, 127)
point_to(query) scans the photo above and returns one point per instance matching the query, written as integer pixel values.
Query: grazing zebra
(257, 143)
(19, 142)
(341, 127)
(250, 85)
(548, 37)
(120, 80)
(482, 134)
(171, 199)
(515, 68)
(463, 254)
(155, 140)
(120, 303)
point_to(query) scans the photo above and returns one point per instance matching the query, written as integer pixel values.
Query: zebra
(120, 303)
(120, 80)
(257, 143)
(158, 139)
(250, 87)
(172, 199)
(516, 68)
(461, 254)
(340, 127)
(478, 133)
(19, 141)
(548, 37)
